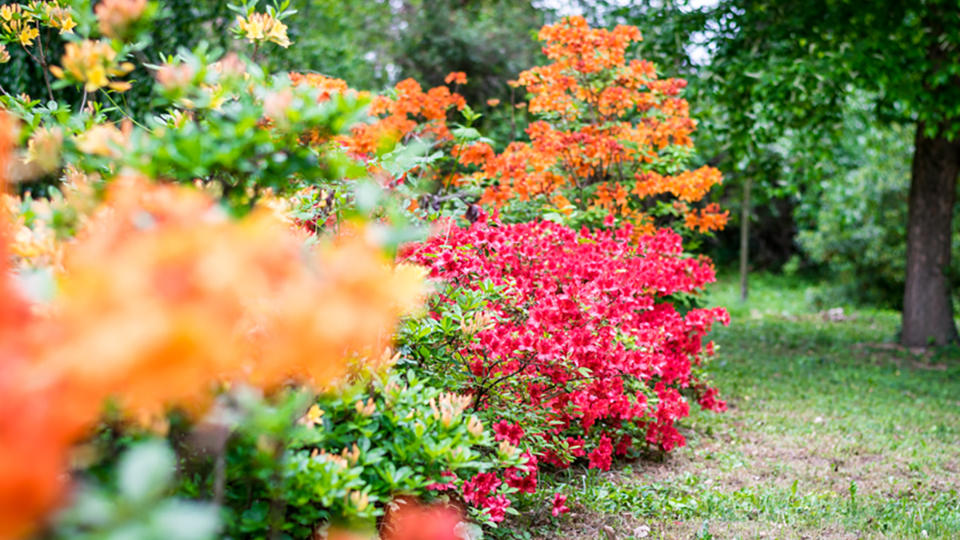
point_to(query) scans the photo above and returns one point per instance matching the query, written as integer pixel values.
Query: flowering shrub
(611, 134)
(412, 144)
(583, 330)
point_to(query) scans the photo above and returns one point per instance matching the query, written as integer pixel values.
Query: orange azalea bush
(605, 125)
(410, 112)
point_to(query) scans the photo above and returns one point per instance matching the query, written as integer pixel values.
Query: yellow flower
(44, 148)
(92, 63)
(4, 54)
(313, 417)
(16, 23)
(277, 33)
(263, 27)
(60, 18)
(11, 12)
(27, 35)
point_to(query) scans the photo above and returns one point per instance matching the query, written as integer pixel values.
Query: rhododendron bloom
(92, 63)
(603, 121)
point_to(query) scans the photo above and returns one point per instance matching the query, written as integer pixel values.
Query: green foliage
(350, 455)
(490, 40)
(856, 224)
(138, 505)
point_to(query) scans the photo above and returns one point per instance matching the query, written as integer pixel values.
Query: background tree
(781, 76)
(906, 52)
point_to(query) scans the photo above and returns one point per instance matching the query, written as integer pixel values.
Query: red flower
(408, 520)
(601, 457)
(505, 431)
(584, 318)
(559, 505)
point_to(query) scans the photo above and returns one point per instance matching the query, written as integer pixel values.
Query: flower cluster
(481, 491)
(410, 112)
(585, 327)
(19, 24)
(259, 28)
(605, 123)
(93, 64)
(215, 300)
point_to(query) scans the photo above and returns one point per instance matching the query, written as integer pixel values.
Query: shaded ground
(833, 432)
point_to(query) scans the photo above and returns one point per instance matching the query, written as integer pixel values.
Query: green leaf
(145, 471)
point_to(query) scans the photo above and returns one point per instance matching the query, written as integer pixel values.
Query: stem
(513, 114)
(220, 476)
(278, 506)
(43, 64)
(43, 68)
(745, 239)
(122, 111)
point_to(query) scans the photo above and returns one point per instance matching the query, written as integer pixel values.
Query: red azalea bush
(586, 331)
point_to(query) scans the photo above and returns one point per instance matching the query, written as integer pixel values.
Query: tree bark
(927, 303)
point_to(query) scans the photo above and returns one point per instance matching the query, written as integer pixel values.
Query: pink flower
(496, 507)
(478, 489)
(559, 505)
(441, 486)
(505, 431)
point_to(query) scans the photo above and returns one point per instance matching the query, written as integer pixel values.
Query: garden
(443, 270)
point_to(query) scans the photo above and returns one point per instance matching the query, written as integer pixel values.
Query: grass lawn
(833, 432)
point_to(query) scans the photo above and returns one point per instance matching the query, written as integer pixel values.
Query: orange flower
(709, 218)
(407, 519)
(456, 77)
(411, 112)
(599, 134)
(170, 298)
(116, 17)
(36, 424)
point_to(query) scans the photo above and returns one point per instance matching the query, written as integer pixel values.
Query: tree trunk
(927, 302)
(745, 240)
